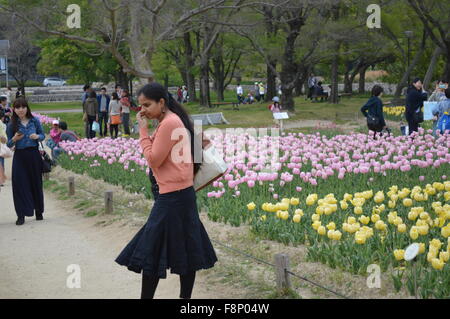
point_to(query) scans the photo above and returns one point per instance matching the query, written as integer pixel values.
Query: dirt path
(34, 257)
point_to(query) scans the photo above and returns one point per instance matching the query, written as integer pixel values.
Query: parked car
(54, 82)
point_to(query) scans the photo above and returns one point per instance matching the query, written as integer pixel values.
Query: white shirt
(239, 90)
(262, 90)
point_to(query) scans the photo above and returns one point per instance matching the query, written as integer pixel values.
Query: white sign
(280, 116)
(427, 110)
(2, 64)
(412, 251)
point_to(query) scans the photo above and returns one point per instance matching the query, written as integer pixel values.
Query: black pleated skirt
(27, 182)
(173, 238)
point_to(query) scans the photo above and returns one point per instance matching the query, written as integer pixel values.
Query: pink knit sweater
(168, 153)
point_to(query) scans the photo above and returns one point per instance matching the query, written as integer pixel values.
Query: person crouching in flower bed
(173, 237)
(24, 134)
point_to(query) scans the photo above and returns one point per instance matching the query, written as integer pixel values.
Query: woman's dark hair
(3, 98)
(86, 87)
(63, 125)
(415, 80)
(377, 90)
(93, 94)
(18, 103)
(156, 92)
(117, 86)
(115, 96)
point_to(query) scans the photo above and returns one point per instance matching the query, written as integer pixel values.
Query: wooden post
(71, 186)
(282, 266)
(109, 202)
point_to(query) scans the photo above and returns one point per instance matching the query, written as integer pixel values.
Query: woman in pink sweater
(174, 237)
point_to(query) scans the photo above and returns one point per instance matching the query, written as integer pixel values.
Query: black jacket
(414, 100)
(374, 107)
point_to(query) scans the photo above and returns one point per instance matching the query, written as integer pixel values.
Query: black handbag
(418, 117)
(373, 123)
(47, 162)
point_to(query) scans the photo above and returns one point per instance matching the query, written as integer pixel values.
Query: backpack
(444, 123)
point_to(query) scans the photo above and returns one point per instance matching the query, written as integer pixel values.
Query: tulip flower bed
(335, 191)
(394, 113)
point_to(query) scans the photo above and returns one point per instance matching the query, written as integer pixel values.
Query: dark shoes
(39, 217)
(20, 221)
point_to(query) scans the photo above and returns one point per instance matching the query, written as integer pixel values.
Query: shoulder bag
(213, 167)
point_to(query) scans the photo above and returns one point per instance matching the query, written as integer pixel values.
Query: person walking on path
(114, 115)
(90, 110)
(103, 104)
(415, 98)
(373, 111)
(174, 237)
(24, 134)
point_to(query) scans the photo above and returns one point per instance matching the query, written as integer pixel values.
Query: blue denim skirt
(173, 238)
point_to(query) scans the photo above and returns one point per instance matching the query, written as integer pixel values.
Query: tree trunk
(271, 81)
(166, 81)
(219, 80)
(205, 99)
(428, 77)
(122, 79)
(190, 78)
(348, 83)
(334, 96)
(362, 80)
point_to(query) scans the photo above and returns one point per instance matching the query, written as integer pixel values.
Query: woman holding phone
(173, 237)
(24, 134)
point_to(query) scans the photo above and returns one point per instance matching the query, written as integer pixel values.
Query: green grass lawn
(36, 107)
(255, 115)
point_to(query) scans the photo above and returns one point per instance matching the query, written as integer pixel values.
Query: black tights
(149, 284)
(114, 128)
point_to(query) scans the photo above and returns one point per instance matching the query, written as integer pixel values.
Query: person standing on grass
(114, 115)
(24, 134)
(103, 103)
(374, 109)
(174, 237)
(9, 97)
(86, 92)
(125, 102)
(312, 81)
(415, 98)
(240, 94)
(262, 91)
(3, 140)
(90, 110)
(118, 90)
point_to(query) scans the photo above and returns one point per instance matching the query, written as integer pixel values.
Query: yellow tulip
(439, 186)
(286, 200)
(284, 215)
(364, 219)
(316, 225)
(283, 206)
(328, 210)
(358, 210)
(414, 233)
(330, 234)
(375, 218)
(379, 197)
(399, 254)
(351, 220)
(445, 231)
(444, 256)
(436, 243)
(424, 216)
(311, 199)
(296, 219)
(337, 235)
(407, 202)
(398, 221)
(251, 206)
(348, 197)
(423, 230)
(401, 228)
(392, 204)
(321, 230)
(421, 248)
(360, 238)
(295, 201)
(437, 264)
(263, 218)
(380, 225)
(331, 226)
(315, 217)
(299, 212)
(344, 205)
